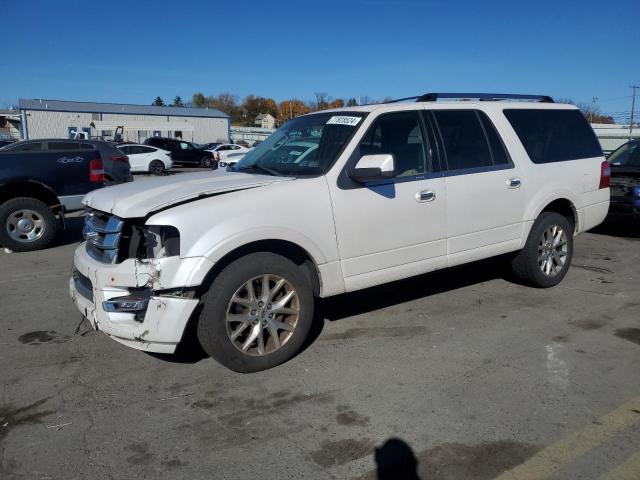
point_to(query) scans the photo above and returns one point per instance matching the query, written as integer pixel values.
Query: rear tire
(26, 224)
(206, 162)
(156, 167)
(546, 257)
(248, 328)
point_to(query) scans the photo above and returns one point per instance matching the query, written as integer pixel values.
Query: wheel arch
(564, 207)
(288, 249)
(29, 188)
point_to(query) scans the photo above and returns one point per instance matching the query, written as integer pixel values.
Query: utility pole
(633, 108)
(591, 110)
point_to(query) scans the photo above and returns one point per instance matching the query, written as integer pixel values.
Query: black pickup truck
(41, 180)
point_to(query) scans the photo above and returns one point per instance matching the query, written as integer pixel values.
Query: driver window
(400, 135)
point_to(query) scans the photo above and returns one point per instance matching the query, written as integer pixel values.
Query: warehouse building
(62, 119)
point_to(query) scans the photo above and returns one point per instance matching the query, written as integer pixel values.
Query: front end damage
(130, 282)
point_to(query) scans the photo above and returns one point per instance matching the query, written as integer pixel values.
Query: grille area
(102, 233)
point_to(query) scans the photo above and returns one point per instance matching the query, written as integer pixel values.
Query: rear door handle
(514, 182)
(426, 196)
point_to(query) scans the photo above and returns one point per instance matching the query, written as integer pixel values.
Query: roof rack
(491, 97)
(432, 97)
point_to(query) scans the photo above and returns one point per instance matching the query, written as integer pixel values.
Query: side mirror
(373, 167)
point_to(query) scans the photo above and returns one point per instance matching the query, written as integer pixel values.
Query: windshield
(197, 146)
(306, 145)
(627, 155)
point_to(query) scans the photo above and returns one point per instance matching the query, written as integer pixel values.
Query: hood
(141, 197)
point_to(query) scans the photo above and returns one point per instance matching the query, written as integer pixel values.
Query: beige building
(9, 124)
(265, 120)
(61, 119)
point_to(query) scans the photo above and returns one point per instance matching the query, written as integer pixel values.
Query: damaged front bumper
(155, 325)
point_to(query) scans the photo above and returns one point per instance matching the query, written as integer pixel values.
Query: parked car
(212, 145)
(392, 190)
(231, 159)
(115, 163)
(184, 153)
(144, 158)
(625, 180)
(41, 180)
(223, 150)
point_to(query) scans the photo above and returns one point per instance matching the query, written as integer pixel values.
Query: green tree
(352, 102)
(158, 102)
(177, 102)
(198, 100)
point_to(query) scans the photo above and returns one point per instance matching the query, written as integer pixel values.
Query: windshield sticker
(344, 120)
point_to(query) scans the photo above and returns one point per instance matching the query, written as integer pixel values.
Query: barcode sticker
(344, 120)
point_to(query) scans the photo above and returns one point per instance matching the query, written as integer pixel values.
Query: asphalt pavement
(461, 374)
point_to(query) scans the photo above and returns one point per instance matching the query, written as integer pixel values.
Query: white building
(265, 120)
(60, 119)
(611, 136)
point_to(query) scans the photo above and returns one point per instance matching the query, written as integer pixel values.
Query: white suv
(333, 202)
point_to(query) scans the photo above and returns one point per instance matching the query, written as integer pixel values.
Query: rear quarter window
(554, 135)
(63, 146)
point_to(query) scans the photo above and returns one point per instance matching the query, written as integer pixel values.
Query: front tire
(205, 162)
(26, 224)
(257, 313)
(546, 257)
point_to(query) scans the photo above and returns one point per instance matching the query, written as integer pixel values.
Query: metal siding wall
(43, 124)
(54, 124)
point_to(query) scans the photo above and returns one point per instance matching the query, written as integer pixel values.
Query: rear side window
(26, 147)
(554, 135)
(63, 146)
(469, 140)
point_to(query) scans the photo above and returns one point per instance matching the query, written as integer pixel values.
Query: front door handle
(425, 196)
(514, 182)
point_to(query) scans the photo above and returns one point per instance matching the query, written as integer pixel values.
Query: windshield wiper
(262, 168)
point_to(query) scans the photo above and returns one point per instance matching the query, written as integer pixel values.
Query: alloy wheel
(552, 250)
(262, 315)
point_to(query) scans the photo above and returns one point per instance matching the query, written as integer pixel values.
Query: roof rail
(432, 97)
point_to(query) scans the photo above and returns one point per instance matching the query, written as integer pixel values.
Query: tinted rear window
(554, 135)
(63, 146)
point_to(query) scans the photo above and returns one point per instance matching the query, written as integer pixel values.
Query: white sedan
(224, 150)
(145, 158)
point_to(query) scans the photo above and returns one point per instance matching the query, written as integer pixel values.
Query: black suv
(115, 163)
(184, 153)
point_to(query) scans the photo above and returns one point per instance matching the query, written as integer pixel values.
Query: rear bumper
(157, 329)
(625, 206)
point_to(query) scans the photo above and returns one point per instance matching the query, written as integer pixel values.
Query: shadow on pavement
(401, 291)
(619, 227)
(395, 460)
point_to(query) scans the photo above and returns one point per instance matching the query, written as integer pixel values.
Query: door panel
(397, 228)
(483, 210)
(386, 227)
(485, 204)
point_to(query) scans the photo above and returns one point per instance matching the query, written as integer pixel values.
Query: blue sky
(129, 52)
